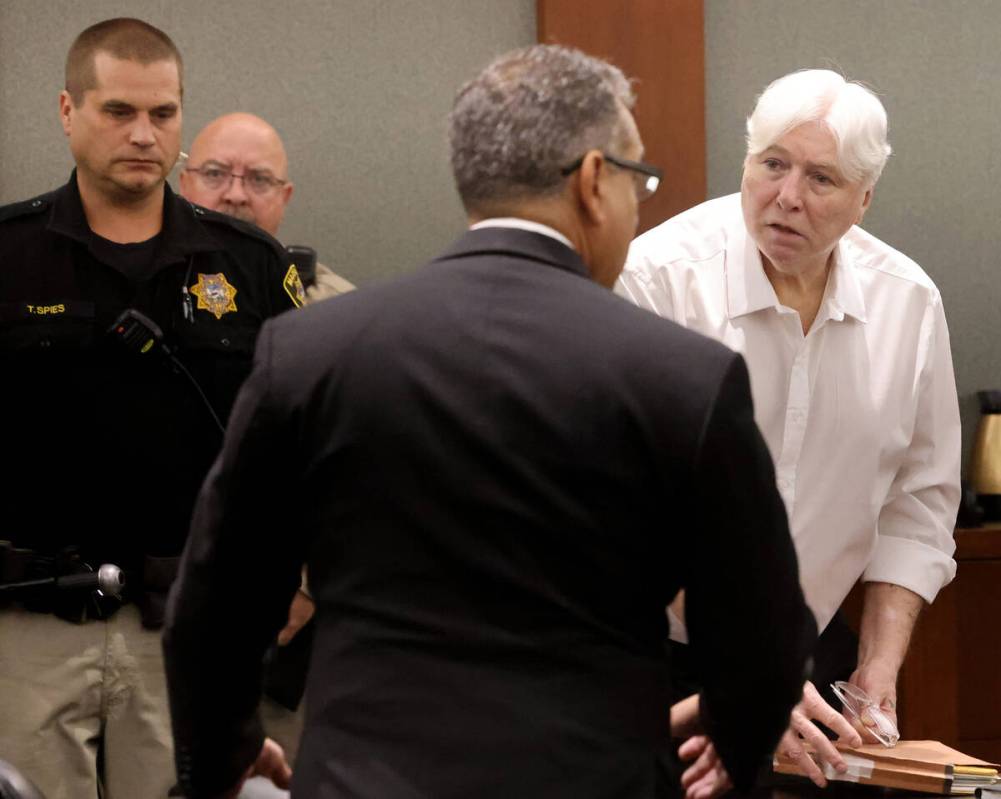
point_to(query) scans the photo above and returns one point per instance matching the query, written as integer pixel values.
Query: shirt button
(224, 342)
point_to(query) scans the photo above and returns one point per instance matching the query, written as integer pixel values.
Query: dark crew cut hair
(124, 38)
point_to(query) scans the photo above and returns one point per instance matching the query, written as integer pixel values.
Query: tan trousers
(67, 689)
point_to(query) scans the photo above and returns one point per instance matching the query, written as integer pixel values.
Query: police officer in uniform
(128, 318)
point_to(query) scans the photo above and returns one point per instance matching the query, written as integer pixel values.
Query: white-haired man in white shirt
(851, 372)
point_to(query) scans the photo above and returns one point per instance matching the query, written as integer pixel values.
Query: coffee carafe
(985, 468)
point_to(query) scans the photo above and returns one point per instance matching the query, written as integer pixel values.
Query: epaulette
(240, 225)
(36, 205)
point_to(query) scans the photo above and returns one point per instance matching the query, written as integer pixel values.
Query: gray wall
(359, 90)
(937, 67)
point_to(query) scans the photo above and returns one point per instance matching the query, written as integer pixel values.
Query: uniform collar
(182, 234)
(748, 288)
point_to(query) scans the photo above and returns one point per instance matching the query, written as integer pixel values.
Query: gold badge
(293, 286)
(214, 294)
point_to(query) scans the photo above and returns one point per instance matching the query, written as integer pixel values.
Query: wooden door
(660, 44)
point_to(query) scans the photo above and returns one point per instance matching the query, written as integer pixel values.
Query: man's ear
(65, 110)
(287, 191)
(866, 202)
(590, 187)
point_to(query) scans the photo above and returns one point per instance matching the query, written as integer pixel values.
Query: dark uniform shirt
(105, 448)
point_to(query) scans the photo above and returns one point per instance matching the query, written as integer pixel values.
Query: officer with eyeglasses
(238, 166)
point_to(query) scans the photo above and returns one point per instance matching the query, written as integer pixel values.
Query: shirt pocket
(218, 355)
(217, 338)
(56, 326)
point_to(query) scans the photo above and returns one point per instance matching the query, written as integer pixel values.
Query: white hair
(852, 113)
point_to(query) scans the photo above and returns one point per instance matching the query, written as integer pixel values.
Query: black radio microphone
(108, 580)
(137, 333)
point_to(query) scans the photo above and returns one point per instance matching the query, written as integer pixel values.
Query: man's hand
(880, 684)
(888, 617)
(299, 613)
(685, 721)
(803, 731)
(270, 763)
(706, 777)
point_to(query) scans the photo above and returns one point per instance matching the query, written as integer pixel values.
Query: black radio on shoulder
(304, 259)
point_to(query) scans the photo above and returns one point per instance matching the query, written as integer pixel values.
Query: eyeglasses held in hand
(866, 712)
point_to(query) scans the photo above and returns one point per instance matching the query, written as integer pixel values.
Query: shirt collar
(844, 293)
(748, 288)
(182, 234)
(523, 224)
(67, 217)
(525, 244)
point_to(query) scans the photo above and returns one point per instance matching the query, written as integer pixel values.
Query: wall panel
(358, 90)
(660, 44)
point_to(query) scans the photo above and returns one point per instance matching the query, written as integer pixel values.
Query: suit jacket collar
(519, 243)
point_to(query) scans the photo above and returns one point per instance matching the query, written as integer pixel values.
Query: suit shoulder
(654, 345)
(36, 206)
(231, 226)
(649, 324)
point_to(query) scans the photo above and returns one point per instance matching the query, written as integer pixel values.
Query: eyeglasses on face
(216, 176)
(646, 176)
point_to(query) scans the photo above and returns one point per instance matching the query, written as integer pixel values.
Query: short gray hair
(852, 113)
(529, 114)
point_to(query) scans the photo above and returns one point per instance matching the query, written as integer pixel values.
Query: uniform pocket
(28, 326)
(217, 337)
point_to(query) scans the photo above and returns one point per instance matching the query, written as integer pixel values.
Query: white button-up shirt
(523, 224)
(860, 414)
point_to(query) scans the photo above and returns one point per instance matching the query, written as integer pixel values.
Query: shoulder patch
(26, 207)
(293, 286)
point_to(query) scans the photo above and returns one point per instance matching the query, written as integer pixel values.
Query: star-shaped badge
(215, 294)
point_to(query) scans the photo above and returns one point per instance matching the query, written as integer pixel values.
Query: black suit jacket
(499, 474)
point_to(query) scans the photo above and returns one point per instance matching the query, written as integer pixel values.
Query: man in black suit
(487, 447)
